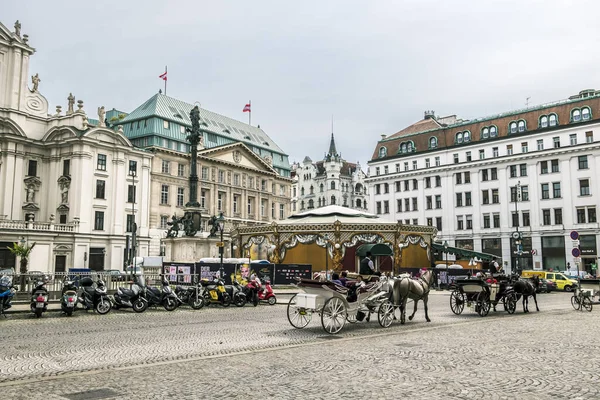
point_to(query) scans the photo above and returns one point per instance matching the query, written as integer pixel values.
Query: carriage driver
(366, 265)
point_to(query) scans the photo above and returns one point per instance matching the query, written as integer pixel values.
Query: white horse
(404, 287)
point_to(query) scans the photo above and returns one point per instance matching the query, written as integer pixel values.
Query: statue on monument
(174, 227)
(18, 28)
(71, 100)
(214, 226)
(101, 117)
(36, 81)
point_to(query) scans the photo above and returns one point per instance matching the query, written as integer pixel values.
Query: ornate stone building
(241, 171)
(332, 181)
(64, 182)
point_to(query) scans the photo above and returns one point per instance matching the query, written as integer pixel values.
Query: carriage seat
(369, 287)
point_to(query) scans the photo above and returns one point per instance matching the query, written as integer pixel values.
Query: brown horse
(405, 287)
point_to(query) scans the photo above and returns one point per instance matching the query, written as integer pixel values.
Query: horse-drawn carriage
(337, 304)
(483, 295)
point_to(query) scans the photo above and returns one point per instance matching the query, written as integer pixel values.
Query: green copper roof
(178, 112)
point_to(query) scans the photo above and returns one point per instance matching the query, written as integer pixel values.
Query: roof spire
(332, 151)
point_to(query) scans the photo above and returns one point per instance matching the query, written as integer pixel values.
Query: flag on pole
(163, 76)
(247, 108)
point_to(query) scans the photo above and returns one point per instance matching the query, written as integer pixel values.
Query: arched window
(459, 137)
(410, 147)
(358, 188)
(553, 120)
(521, 126)
(576, 115)
(543, 121)
(432, 142)
(332, 185)
(403, 148)
(467, 136)
(319, 202)
(312, 190)
(585, 114)
(358, 203)
(302, 205)
(493, 131)
(311, 204)
(485, 133)
(321, 187)
(382, 152)
(333, 200)
(301, 191)
(512, 128)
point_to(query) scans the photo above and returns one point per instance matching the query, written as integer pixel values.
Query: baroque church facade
(332, 181)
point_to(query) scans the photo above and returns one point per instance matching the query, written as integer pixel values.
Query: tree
(22, 251)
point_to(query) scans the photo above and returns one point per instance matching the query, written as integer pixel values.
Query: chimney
(429, 114)
(383, 136)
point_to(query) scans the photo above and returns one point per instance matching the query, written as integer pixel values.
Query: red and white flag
(247, 108)
(163, 76)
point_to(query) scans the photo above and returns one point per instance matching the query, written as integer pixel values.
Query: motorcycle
(39, 298)
(265, 293)
(215, 292)
(165, 297)
(94, 297)
(192, 295)
(251, 291)
(68, 300)
(7, 292)
(133, 297)
(236, 292)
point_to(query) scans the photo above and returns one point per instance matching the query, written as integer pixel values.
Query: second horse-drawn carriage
(483, 294)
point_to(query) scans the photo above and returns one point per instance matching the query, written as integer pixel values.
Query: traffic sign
(220, 244)
(574, 235)
(533, 252)
(575, 252)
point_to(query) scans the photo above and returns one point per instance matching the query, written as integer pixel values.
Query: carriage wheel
(457, 302)
(483, 303)
(385, 315)
(586, 303)
(510, 303)
(298, 317)
(333, 315)
(575, 302)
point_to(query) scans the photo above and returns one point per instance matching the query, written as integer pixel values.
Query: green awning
(378, 249)
(463, 252)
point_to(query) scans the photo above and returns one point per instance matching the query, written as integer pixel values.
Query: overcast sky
(374, 65)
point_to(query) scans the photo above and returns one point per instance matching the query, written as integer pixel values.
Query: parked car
(546, 286)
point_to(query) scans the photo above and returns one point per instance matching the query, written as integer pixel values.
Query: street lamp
(446, 252)
(517, 235)
(221, 225)
(326, 237)
(133, 226)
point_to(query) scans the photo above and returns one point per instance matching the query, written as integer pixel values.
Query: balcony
(20, 225)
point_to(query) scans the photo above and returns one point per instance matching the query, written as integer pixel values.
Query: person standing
(366, 265)
(494, 266)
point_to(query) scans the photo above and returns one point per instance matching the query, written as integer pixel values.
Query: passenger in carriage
(353, 292)
(344, 278)
(335, 278)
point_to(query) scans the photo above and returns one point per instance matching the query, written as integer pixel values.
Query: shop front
(553, 253)
(589, 253)
(522, 260)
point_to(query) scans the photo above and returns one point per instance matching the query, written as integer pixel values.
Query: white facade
(332, 181)
(465, 188)
(65, 182)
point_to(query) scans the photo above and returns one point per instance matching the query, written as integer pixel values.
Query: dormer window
(576, 115)
(512, 127)
(459, 137)
(433, 142)
(467, 136)
(493, 131)
(552, 120)
(586, 114)
(247, 137)
(403, 148)
(463, 137)
(406, 147)
(521, 126)
(543, 121)
(410, 147)
(382, 152)
(485, 133)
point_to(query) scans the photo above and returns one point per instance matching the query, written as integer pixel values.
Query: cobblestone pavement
(241, 353)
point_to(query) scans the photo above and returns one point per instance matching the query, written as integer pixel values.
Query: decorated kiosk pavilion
(334, 237)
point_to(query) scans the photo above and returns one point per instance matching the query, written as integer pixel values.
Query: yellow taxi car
(562, 281)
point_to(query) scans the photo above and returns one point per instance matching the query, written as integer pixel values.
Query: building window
(398, 205)
(543, 121)
(545, 191)
(486, 221)
(494, 152)
(180, 170)
(263, 185)
(573, 139)
(438, 201)
(438, 181)
(164, 194)
(414, 204)
(377, 170)
(415, 184)
(220, 201)
(558, 216)
(589, 137)
(584, 187)
(493, 131)
(165, 167)
(509, 149)
(428, 202)
(163, 221)
(546, 217)
(378, 207)
(458, 178)
(485, 197)
(484, 175)
(437, 161)
(526, 221)
(281, 211)
(459, 223)
(406, 166)
(311, 203)
(496, 219)
(467, 177)
(386, 169)
(513, 171)
(100, 189)
(583, 162)
(414, 164)
(273, 210)
(512, 127)
(429, 221)
(129, 223)
(523, 169)
(459, 138)
(553, 120)
(513, 194)
(591, 214)
(556, 190)
(221, 176)
(467, 198)
(554, 164)
(481, 154)
(397, 183)
(101, 165)
(521, 126)
(581, 215)
(386, 187)
(540, 144)
(406, 183)
(397, 167)
(250, 201)
(525, 193)
(99, 221)
(543, 167)
(485, 133)
(515, 220)
(203, 198)
(586, 114)
(455, 158)
(495, 196)
(459, 202)
(406, 205)
(66, 167)
(180, 194)
(131, 193)
(524, 147)
(382, 152)
(166, 124)
(494, 174)
(386, 207)
(556, 142)
(433, 142)
(438, 223)
(377, 189)
(205, 175)
(468, 156)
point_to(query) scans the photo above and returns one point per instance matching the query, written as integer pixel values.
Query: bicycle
(581, 300)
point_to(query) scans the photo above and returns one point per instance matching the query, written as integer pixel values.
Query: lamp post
(221, 225)
(132, 174)
(517, 237)
(326, 237)
(446, 252)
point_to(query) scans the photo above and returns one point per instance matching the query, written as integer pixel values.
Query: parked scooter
(251, 291)
(94, 297)
(215, 292)
(236, 292)
(39, 298)
(265, 293)
(7, 292)
(68, 300)
(133, 297)
(191, 295)
(165, 297)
